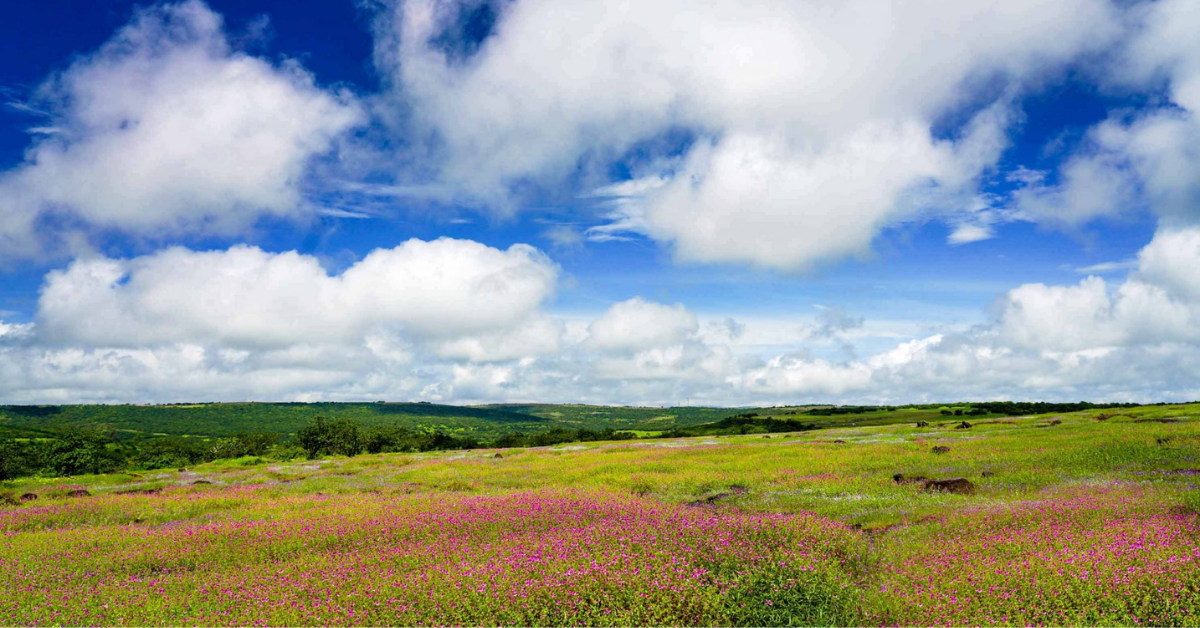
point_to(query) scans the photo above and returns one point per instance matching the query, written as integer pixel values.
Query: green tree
(81, 451)
(324, 437)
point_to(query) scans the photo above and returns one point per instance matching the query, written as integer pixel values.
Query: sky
(665, 202)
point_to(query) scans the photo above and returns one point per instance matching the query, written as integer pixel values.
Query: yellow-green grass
(1083, 518)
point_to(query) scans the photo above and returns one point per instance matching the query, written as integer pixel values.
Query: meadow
(1084, 518)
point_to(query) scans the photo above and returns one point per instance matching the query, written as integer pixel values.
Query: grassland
(1088, 518)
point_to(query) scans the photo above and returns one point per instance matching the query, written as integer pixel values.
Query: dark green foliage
(398, 439)
(79, 452)
(749, 423)
(18, 459)
(160, 453)
(1017, 408)
(324, 437)
(558, 436)
(229, 419)
(32, 411)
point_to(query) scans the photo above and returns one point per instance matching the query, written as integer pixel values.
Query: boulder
(963, 426)
(922, 423)
(900, 478)
(29, 497)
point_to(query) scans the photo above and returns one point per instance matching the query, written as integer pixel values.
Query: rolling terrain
(1084, 518)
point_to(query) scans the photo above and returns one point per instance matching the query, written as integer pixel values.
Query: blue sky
(468, 201)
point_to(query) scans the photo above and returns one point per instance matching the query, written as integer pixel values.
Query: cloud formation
(815, 124)
(1143, 160)
(246, 298)
(454, 320)
(168, 131)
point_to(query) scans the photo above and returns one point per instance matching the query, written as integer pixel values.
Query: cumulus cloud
(245, 297)
(814, 122)
(638, 324)
(459, 321)
(166, 131)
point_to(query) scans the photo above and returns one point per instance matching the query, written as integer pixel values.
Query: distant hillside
(486, 422)
(223, 419)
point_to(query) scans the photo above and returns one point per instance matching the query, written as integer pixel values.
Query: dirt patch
(958, 486)
(713, 499)
(139, 491)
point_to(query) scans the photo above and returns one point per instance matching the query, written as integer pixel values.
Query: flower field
(518, 559)
(1081, 522)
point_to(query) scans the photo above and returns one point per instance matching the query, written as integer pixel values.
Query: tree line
(95, 450)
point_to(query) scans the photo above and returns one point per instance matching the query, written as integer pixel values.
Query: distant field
(482, 422)
(1085, 518)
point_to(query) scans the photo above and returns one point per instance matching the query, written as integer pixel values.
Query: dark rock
(79, 492)
(922, 423)
(29, 497)
(839, 442)
(498, 455)
(941, 449)
(958, 486)
(963, 426)
(900, 478)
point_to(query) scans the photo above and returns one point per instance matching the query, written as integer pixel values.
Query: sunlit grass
(1090, 520)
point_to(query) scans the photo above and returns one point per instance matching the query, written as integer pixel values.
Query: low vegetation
(1084, 518)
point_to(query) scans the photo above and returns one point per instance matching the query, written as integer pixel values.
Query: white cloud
(247, 298)
(168, 131)
(814, 121)
(638, 324)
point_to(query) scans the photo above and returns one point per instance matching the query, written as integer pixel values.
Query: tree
(81, 451)
(323, 437)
